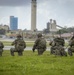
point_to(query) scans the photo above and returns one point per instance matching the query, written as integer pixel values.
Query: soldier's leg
(20, 50)
(57, 52)
(40, 51)
(70, 52)
(12, 50)
(20, 53)
(63, 52)
(43, 50)
(52, 50)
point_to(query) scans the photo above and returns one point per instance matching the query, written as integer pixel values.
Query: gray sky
(60, 10)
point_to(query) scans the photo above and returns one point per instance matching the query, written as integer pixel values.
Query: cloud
(14, 2)
(27, 2)
(65, 1)
(60, 10)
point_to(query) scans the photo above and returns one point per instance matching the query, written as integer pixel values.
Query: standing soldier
(20, 45)
(40, 44)
(71, 48)
(1, 48)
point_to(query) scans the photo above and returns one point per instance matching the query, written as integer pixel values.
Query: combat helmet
(39, 35)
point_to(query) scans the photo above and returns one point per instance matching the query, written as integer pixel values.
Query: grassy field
(32, 64)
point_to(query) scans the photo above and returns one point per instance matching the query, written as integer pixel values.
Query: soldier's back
(42, 43)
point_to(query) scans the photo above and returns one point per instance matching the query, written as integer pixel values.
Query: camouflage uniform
(40, 44)
(19, 46)
(57, 48)
(52, 49)
(1, 48)
(71, 48)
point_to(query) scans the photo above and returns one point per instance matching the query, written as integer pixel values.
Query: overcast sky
(60, 10)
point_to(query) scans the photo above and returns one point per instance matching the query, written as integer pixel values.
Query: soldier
(1, 48)
(40, 44)
(20, 45)
(71, 48)
(57, 47)
(52, 49)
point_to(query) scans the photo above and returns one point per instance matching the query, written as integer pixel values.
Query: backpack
(42, 43)
(20, 44)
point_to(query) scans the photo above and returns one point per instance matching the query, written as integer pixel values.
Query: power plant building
(51, 26)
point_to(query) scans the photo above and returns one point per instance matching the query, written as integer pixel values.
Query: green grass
(32, 64)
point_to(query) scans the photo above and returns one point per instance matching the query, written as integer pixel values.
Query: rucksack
(42, 43)
(20, 44)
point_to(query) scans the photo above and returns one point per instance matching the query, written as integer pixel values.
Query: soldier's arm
(37, 42)
(33, 49)
(14, 42)
(35, 45)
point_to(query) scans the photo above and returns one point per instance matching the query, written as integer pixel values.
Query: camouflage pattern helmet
(39, 35)
(19, 36)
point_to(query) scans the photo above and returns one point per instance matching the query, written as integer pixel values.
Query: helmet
(19, 36)
(39, 35)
